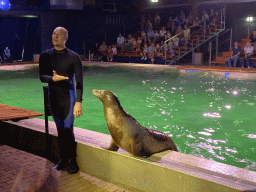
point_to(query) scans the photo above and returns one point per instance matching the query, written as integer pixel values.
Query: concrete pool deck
(168, 171)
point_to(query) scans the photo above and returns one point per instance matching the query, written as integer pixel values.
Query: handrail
(204, 23)
(203, 20)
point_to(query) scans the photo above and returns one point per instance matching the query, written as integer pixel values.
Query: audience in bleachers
(177, 31)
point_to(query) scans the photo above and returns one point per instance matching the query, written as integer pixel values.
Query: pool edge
(170, 170)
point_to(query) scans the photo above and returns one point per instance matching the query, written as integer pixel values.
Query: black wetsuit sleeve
(45, 71)
(79, 79)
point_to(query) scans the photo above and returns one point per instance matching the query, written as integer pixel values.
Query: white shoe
(145, 58)
(142, 58)
(111, 59)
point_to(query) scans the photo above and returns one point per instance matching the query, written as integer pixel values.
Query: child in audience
(157, 50)
(109, 53)
(138, 44)
(151, 52)
(114, 50)
(145, 52)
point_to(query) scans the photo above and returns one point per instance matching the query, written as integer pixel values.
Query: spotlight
(154, 1)
(5, 5)
(249, 19)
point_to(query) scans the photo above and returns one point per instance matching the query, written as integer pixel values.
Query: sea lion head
(107, 97)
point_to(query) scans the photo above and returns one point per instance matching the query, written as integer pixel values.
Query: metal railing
(222, 42)
(202, 27)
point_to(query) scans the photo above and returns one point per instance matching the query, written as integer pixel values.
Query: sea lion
(127, 133)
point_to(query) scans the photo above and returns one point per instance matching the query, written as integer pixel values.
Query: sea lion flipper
(113, 146)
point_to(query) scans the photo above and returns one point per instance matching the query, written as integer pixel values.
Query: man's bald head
(59, 38)
(62, 30)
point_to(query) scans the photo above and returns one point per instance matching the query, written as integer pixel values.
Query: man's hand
(57, 77)
(78, 111)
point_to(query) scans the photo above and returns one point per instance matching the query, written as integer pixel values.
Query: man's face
(236, 44)
(59, 38)
(254, 33)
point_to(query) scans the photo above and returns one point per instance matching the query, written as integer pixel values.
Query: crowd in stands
(245, 54)
(151, 40)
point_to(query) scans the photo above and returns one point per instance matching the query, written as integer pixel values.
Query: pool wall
(167, 171)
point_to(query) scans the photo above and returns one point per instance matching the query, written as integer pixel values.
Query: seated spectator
(182, 17)
(134, 43)
(186, 34)
(165, 37)
(168, 35)
(206, 16)
(109, 53)
(171, 47)
(157, 20)
(7, 55)
(186, 22)
(212, 12)
(164, 47)
(176, 23)
(130, 39)
(190, 18)
(248, 53)
(151, 52)
(176, 42)
(162, 32)
(179, 30)
(158, 52)
(196, 24)
(120, 42)
(127, 45)
(145, 52)
(148, 25)
(215, 21)
(144, 37)
(114, 50)
(252, 39)
(138, 43)
(103, 50)
(95, 52)
(235, 54)
(156, 36)
(143, 23)
(169, 24)
(182, 41)
(150, 35)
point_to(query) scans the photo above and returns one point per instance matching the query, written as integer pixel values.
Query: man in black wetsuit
(60, 68)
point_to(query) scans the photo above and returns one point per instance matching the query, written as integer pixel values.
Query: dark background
(91, 23)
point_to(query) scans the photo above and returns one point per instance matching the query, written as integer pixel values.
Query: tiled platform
(12, 161)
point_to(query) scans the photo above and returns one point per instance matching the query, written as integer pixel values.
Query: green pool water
(206, 116)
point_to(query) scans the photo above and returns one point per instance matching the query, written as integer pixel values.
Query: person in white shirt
(120, 42)
(248, 54)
